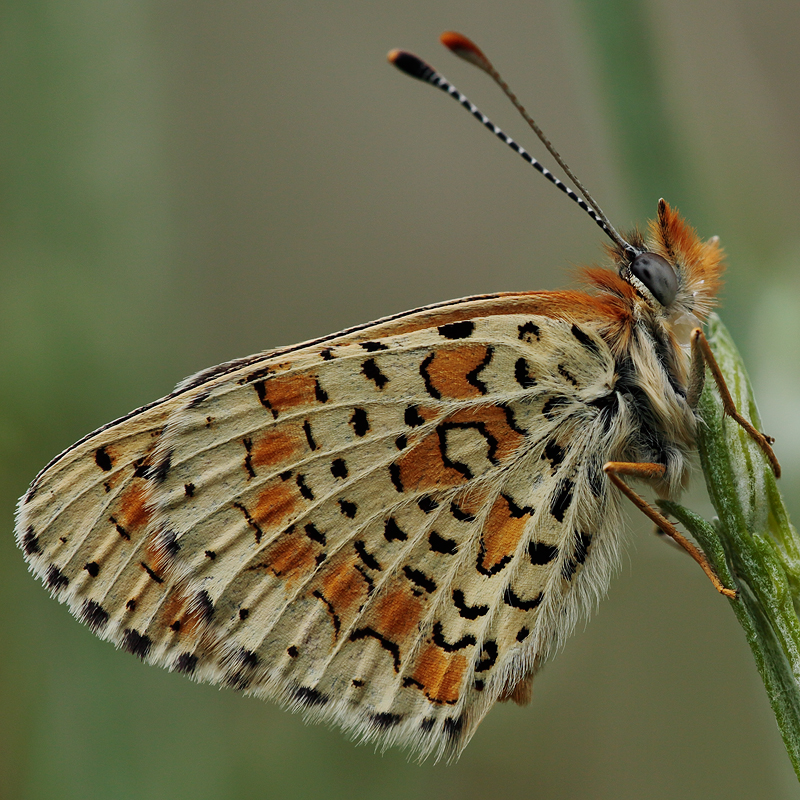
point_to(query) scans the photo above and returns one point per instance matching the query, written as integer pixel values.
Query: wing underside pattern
(391, 533)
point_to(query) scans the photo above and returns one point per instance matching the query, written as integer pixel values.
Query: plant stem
(751, 544)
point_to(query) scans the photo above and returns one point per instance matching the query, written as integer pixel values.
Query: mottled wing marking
(85, 521)
(391, 533)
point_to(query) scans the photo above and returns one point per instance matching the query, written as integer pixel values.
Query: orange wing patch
(277, 446)
(134, 515)
(292, 556)
(500, 537)
(280, 394)
(275, 505)
(343, 589)
(439, 674)
(424, 467)
(455, 372)
(396, 613)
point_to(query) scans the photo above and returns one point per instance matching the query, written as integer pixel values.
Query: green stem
(752, 544)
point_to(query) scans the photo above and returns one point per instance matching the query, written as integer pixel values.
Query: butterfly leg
(616, 469)
(703, 356)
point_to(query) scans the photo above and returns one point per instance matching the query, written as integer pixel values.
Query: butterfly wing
(389, 529)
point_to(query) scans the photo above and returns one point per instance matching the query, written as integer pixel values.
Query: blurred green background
(184, 182)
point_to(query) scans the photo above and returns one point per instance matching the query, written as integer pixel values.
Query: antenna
(415, 67)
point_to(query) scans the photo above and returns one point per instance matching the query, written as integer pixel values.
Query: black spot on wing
(529, 332)
(562, 500)
(337, 623)
(261, 392)
(472, 375)
(392, 531)
(396, 478)
(423, 371)
(203, 604)
(315, 534)
(160, 471)
(401, 442)
(522, 634)
(138, 644)
(385, 720)
(419, 578)
(580, 552)
(457, 330)
(510, 599)
(339, 468)
(186, 663)
(305, 490)
(368, 558)
(373, 347)
(541, 553)
(93, 568)
(554, 453)
(30, 542)
(585, 340)
(427, 504)
(386, 644)
(452, 729)
(248, 457)
(488, 656)
(320, 394)
(567, 375)
(348, 509)
(517, 512)
(412, 417)
(438, 639)
(312, 445)
(94, 615)
(466, 611)
(308, 697)
(460, 514)
(242, 666)
(595, 477)
(522, 374)
(371, 370)
(188, 489)
(103, 459)
(56, 579)
(256, 528)
(439, 544)
(151, 572)
(359, 421)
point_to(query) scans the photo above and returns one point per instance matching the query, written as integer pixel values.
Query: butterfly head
(672, 271)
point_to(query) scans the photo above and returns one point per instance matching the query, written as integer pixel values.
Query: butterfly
(393, 527)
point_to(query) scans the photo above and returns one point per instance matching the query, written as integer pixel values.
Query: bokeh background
(184, 182)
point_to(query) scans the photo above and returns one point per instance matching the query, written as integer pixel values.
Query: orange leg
(616, 469)
(701, 356)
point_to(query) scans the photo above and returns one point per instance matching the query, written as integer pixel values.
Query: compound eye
(657, 274)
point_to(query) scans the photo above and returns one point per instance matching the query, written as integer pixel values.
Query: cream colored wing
(390, 534)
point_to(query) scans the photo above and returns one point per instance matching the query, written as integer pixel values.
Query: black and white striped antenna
(415, 67)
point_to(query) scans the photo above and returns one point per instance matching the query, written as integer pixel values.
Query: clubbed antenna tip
(465, 48)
